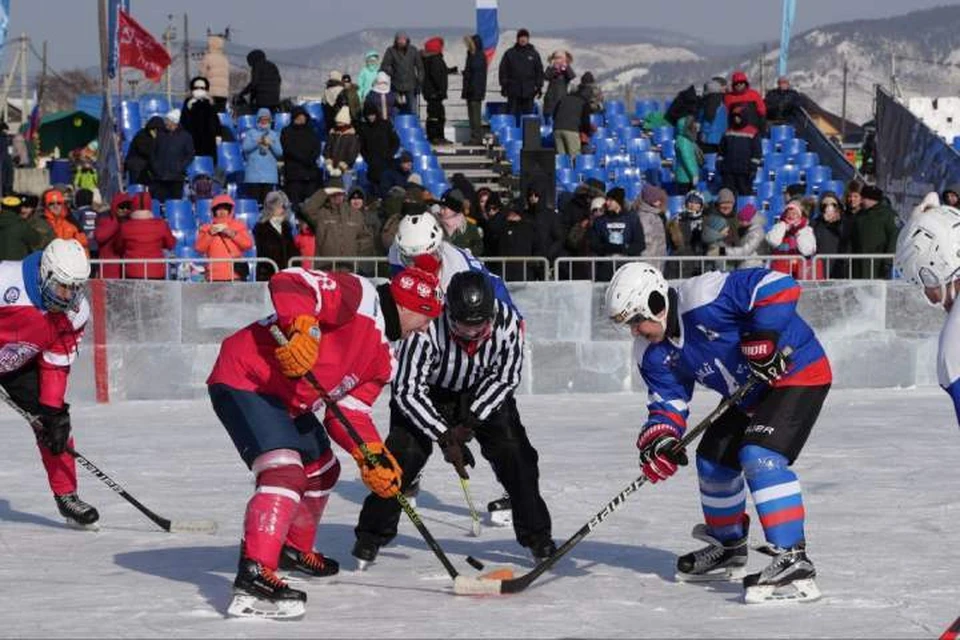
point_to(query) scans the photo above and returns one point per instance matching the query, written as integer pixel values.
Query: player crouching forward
(718, 329)
(42, 316)
(339, 327)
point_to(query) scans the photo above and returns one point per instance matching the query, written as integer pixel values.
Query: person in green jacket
(34, 218)
(368, 74)
(687, 163)
(86, 176)
(17, 238)
(874, 231)
(460, 230)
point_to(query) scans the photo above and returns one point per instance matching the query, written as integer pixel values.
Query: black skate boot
(542, 549)
(258, 592)
(501, 511)
(313, 564)
(789, 577)
(77, 512)
(718, 561)
(365, 552)
(411, 493)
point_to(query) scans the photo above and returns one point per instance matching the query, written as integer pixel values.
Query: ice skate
(543, 549)
(312, 564)
(788, 578)
(718, 561)
(365, 553)
(77, 513)
(412, 492)
(501, 512)
(259, 593)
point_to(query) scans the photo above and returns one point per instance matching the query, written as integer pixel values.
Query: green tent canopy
(67, 130)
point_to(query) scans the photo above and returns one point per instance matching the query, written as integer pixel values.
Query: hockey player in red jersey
(42, 315)
(339, 327)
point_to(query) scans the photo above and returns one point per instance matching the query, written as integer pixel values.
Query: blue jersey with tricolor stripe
(715, 310)
(948, 358)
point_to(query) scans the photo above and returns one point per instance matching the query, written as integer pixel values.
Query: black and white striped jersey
(435, 358)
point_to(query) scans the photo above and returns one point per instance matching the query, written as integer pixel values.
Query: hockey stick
(371, 460)
(952, 632)
(172, 526)
(474, 516)
(463, 586)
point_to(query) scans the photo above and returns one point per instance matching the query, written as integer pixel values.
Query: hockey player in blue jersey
(718, 329)
(928, 255)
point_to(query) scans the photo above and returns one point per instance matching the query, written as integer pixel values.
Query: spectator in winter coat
(333, 99)
(516, 237)
(402, 62)
(685, 236)
(571, 121)
(578, 238)
(592, 92)
(650, 208)
(874, 231)
(378, 144)
(752, 240)
(264, 86)
(306, 244)
(371, 66)
(435, 72)
(521, 75)
(85, 215)
(381, 97)
(951, 196)
(852, 203)
(30, 213)
(107, 232)
(716, 235)
(343, 144)
(340, 230)
(685, 103)
(549, 235)
(225, 237)
(199, 118)
(172, 154)
(459, 230)
(782, 102)
(351, 98)
(301, 147)
(357, 200)
(144, 237)
(475, 85)
(740, 154)
(85, 176)
(216, 68)
(755, 111)
(137, 163)
(713, 115)
(616, 233)
(689, 156)
(58, 217)
(261, 149)
(833, 229)
(793, 236)
(558, 76)
(17, 238)
(399, 174)
(273, 235)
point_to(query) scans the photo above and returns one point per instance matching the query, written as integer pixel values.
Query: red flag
(139, 49)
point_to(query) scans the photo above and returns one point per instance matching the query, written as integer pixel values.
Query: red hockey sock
(280, 485)
(322, 475)
(61, 469)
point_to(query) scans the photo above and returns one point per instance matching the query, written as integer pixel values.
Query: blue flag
(789, 10)
(4, 20)
(488, 27)
(113, 18)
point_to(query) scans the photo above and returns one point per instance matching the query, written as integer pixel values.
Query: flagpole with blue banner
(113, 19)
(789, 11)
(488, 27)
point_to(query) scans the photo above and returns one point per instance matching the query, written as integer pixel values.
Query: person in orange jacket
(225, 237)
(58, 216)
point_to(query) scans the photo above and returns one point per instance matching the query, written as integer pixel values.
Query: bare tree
(61, 90)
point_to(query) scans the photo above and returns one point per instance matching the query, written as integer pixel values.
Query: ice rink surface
(880, 481)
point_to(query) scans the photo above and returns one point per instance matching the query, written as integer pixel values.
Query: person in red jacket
(339, 327)
(144, 236)
(107, 232)
(756, 112)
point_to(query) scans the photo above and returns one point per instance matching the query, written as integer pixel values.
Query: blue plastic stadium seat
(806, 160)
(710, 162)
(596, 119)
(795, 146)
(787, 175)
(507, 134)
(606, 146)
(405, 120)
(596, 173)
(611, 107)
(230, 158)
(562, 161)
(773, 161)
(433, 175)
(668, 149)
(157, 207)
(136, 188)
(646, 107)
(765, 146)
(649, 160)
(227, 122)
(675, 205)
(566, 175)
(246, 122)
(200, 165)
(280, 120)
(665, 132)
(585, 162)
(419, 148)
(767, 190)
(839, 187)
(425, 162)
(153, 105)
(779, 134)
(246, 205)
(632, 189)
(636, 146)
(202, 211)
(618, 120)
(179, 214)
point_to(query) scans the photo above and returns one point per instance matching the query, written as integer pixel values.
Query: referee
(454, 382)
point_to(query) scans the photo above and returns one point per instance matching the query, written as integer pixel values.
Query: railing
(510, 268)
(189, 269)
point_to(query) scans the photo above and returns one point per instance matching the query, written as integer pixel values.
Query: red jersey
(27, 332)
(355, 362)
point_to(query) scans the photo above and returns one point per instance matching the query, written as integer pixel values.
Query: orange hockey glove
(298, 356)
(383, 477)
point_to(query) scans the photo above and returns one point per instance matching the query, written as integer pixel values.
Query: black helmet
(470, 298)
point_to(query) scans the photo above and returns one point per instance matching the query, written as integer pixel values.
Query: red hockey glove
(659, 458)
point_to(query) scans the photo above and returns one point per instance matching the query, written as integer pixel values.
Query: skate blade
(796, 591)
(727, 574)
(503, 518)
(248, 606)
(73, 524)
(362, 565)
(475, 528)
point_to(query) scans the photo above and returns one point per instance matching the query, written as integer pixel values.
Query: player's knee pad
(280, 471)
(757, 460)
(323, 473)
(711, 472)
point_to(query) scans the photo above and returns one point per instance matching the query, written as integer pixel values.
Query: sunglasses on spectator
(125, 205)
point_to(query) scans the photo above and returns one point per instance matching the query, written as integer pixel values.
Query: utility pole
(43, 75)
(186, 53)
(104, 53)
(168, 37)
(763, 64)
(843, 104)
(25, 100)
(893, 75)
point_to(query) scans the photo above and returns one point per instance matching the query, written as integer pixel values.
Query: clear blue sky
(69, 26)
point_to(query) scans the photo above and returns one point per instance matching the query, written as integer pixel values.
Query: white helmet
(418, 234)
(928, 249)
(64, 270)
(637, 289)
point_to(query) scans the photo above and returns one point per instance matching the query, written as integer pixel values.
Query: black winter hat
(522, 32)
(871, 192)
(619, 195)
(453, 199)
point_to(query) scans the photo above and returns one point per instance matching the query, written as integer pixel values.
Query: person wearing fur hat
(792, 235)
(170, 156)
(343, 144)
(340, 230)
(261, 149)
(435, 72)
(381, 97)
(651, 207)
(17, 238)
(351, 97)
(521, 75)
(199, 118)
(616, 233)
(273, 235)
(558, 75)
(333, 99)
(475, 85)
(751, 240)
(874, 231)
(404, 64)
(832, 228)
(367, 75)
